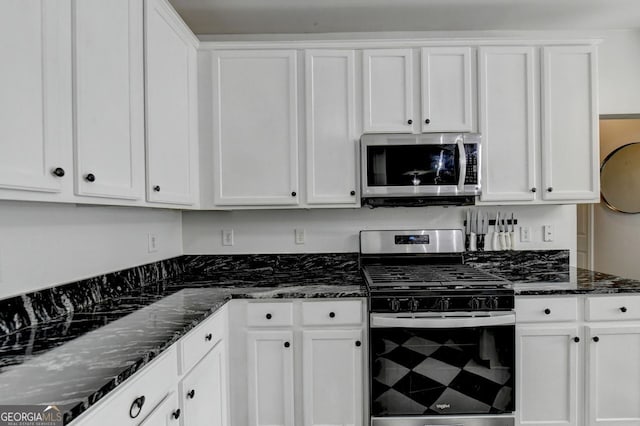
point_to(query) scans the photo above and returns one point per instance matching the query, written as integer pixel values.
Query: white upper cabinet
(108, 98)
(508, 122)
(171, 107)
(34, 104)
(447, 89)
(388, 90)
(255, 127)
(331, 139)
(570, 154)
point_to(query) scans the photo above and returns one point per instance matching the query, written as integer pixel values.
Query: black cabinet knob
(90, 177)
(136, 407)
(358, 343)
(287, 344)
(191, 394)
(550, 189)
(533, 189)
(547, 311)
(208, 337)
(176, 414)
(58, 171)
(596, 339)
(269, 316)
(427, 121)
(156, 188)
(576, 339)
(623, 309)
(332, 314)
(293, 194)
(409, 121)
(353, 193)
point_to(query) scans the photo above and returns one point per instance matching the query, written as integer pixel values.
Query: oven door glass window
(412, 165)
(442, 371)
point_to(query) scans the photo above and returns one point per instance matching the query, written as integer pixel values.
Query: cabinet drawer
(546, 309)
(195, 345)
(149, 387)
(269, 314)
(610, 308)
(344, 312)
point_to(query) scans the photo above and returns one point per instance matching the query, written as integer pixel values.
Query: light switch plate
(299, 233)
(153, 242)
(227, 237)
(525, 234)
(547, 233)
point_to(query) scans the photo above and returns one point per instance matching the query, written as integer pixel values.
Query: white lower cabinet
(555, 363)
(332, 381)
(547, 374)
(203, 390)
(613, 390)
(270, 372)
(166, 414)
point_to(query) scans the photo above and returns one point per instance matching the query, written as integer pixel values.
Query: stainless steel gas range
(442, 334)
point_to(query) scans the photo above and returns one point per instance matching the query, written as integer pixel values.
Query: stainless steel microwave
(424, 169)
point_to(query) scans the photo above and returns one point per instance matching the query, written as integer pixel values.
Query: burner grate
(429, 276)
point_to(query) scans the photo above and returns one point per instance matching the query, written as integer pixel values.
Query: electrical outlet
(525, 234)
(299, 236)
(227, 237)
(153, 242)
(547, 233)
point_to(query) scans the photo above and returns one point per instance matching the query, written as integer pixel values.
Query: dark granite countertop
(73, 361)
(578, 281)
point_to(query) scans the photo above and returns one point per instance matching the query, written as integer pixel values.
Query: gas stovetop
(423, 271)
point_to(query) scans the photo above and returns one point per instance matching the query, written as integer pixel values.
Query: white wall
(42, 245)
(619, 69)
(272, 231)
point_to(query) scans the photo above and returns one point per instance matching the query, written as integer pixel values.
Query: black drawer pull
(547, 311)
(136, 407)
(576, 339)
(208, 337)
(191, 394)
(358, 343)
(287, 344)
(156, 188)
(332, 314)
(176, 414)
(90, 177)
(623, 309)
(596, 339)
(269, 316)
(58, 172)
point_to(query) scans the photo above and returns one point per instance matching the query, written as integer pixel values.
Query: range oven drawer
(451, 421)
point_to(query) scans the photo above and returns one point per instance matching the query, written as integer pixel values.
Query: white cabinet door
(255, 127)
(508, 123)
(388, 90)
(447, 89)
(613, 374)
(204, 391)
(332, 378)
(270, 373)
(108, 98)
(570, 155)
(35, 107)
(547, 375)
(331, 140)
(166, 414)
(171, 107)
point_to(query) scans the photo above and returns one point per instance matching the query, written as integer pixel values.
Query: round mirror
(620, 179)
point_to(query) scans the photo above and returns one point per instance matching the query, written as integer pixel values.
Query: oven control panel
(442, 303)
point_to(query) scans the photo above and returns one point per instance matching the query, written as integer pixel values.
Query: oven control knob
(475, 304)
(395, 305)
(414, 305)
(444, 303)
(492, 303)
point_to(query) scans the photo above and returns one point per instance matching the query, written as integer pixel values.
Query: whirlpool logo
(443, 406)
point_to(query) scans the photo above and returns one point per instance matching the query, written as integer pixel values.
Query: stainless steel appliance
(425, 169)
(442, 333)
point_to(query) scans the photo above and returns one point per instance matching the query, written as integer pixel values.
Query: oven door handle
(463, 163)
(379, 321)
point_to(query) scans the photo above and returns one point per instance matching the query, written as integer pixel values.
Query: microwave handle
(463, 164)
(440, 322)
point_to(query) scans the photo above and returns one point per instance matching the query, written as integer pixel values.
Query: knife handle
(503, 241)
(513, 240)
(480, 242)
(494, 241)
(467, 242)
(472, 242)
(507, 241)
